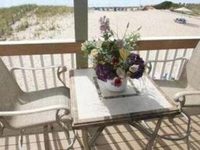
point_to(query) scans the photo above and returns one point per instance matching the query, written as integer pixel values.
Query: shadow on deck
(119, 137)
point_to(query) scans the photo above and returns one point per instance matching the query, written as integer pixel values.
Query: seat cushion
(192, 73)
(39, 99)
(9, 89)
(170, 88)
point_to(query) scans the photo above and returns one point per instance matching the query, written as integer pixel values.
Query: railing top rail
(8, 48)
(45, 41)
(159, 43)
(170, 38)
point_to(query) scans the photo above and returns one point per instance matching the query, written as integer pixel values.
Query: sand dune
(154, 23)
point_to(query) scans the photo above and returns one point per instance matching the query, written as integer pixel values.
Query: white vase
(113, 88)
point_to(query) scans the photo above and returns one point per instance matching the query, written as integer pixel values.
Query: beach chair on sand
(21, 111)
(186, 90)
(180, 20)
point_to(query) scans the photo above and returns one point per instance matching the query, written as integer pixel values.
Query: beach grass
(195, 8)
(12, 14)
(49, 11)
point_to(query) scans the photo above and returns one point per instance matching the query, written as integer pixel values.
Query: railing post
(81, 28)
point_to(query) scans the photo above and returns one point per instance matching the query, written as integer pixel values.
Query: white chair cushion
(39, 99)
(192, 72)
(9, 89)
(170, 88)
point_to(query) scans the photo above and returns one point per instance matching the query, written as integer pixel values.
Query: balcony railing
(48, 53)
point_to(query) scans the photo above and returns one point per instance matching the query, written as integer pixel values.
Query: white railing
(41, 54)
(168, 69)
(31, 80)
(42, 79)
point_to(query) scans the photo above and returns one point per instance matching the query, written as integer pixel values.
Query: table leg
(154, 135)
(96, 134)
(85, 139)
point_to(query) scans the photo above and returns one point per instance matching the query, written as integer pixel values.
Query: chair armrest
(148, 67)
(178, 95)
(169, 60)
(31, 111)
(60, 70)
(29, 68)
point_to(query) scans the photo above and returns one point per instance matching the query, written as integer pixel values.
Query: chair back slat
(192, 72)
(9, 89)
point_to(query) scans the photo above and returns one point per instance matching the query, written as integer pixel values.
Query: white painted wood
(164, 64)
(63, 64)
(43, 71)
(171, 38)
(72, 60)
(155, 64)
(24, 74)
(172, 66)
(147, 55)
(81, 19)
(81, 28)
(10, 61)
(33, 72)
(184, 52)
(27, 42)
(83, 5)
(53, 70)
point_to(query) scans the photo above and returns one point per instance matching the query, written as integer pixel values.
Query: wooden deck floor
(119, 137)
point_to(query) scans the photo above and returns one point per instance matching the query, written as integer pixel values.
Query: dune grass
(48, 11)
(12, 14)
(195, 8)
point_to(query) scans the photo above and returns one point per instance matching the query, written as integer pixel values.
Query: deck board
(114, 137)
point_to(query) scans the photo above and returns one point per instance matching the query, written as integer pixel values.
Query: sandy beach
(153, 23)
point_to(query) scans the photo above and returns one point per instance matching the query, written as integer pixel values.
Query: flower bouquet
(113, 58)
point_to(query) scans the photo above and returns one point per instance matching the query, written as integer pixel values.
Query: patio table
(92, 108)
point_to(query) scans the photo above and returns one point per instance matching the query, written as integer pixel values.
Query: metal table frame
(89, 137)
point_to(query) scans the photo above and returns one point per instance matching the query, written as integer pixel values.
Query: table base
(88, 139)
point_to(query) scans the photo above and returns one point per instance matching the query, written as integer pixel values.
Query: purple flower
(104, 24)
(105, 71)
(135, 59)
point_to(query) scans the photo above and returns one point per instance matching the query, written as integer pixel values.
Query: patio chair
(186, 90)
(20, 110)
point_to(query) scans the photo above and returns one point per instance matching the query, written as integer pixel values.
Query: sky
(8, 3)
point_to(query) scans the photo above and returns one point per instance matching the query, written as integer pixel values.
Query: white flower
(121, 73)
(133, 68)
(94, 53)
